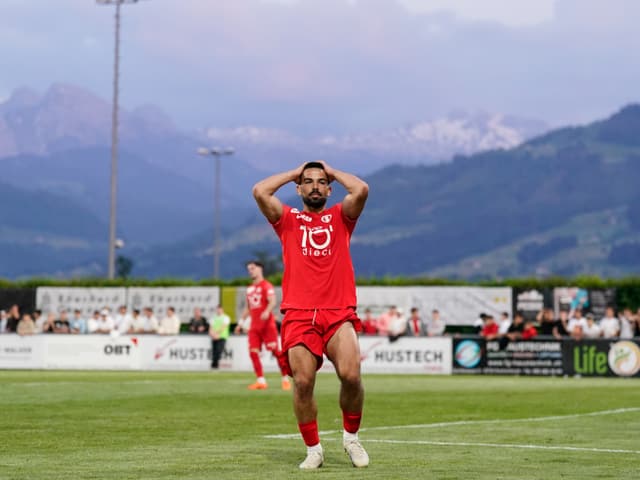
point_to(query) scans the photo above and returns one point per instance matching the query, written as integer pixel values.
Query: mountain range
(463, 197)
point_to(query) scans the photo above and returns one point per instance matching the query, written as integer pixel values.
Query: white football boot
(315, 459)
(356, 452)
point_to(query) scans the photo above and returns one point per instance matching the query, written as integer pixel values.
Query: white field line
(471, 422)
(506, 445)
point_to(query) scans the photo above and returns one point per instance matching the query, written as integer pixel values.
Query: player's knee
(304, 385)
(350, 378)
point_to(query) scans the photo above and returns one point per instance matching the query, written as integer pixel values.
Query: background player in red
(319, 296)
(261, 301)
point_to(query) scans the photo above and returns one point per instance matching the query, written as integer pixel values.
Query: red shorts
(263, 333)
(313, 329)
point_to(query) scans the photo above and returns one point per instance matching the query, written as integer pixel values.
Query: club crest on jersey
(326, 218)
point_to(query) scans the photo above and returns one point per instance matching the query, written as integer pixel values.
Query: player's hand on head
(328, 170)
(298, 173)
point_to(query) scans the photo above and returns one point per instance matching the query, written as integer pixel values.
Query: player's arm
(264, 192)
(240, 326)
(357, 190)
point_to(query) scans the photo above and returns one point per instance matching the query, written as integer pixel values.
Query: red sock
(309, 433)
(257, 364)
(351, 421)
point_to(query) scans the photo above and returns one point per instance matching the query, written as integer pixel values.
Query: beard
(314, 203)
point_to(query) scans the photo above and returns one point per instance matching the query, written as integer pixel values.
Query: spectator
(102, 324)
(416, 328)
(627, 324)
(136, 323)
(369, 323)
(609, 324)
(38, 319)
(397, 326)
(150, 321)
(3, 321)
(514, 332)
(561, 326)
(505, 323)
(384, 320)
(490, 328)
(529, 330)
(577, 321)
(436, 325)
(78, 323)
(26, 325)
(546, 322)
(198, 323)
(48, 323)
(122, 319)
(219, 332)
(61, 324)
(592, 329)
(170, 324)
(13, 318)
(93, 321)
(478, 324)
(577, 332)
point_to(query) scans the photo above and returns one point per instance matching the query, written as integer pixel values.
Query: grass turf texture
(117, 425)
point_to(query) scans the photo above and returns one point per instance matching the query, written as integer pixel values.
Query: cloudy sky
(332, 65)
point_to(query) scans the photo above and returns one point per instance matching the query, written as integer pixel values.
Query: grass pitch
(120, 425)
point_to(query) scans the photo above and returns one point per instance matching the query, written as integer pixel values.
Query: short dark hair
(255, 262)
(313, 165)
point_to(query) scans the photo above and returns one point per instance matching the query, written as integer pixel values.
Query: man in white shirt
(397, 326)
(102, 324)
(592, 330)
(609, 324)
(122, 319)
(135, 323)
(3, 321)
(505, 323)
(170, 324)
(436, 325)
(577, 323)
(150, 321)
(627, 324)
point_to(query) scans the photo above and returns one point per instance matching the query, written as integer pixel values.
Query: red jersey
(258, 299)
(489, 329)
(528, 333)
(318, 272)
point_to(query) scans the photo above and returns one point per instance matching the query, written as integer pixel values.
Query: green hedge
(551, 282)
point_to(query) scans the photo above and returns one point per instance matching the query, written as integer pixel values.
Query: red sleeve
(350, 223)
(280, 224)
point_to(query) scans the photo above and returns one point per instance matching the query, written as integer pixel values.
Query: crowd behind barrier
(440, 330)
(493, 312)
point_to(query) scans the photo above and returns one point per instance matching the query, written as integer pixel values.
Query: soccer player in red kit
(319, 296)
(261, 301)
